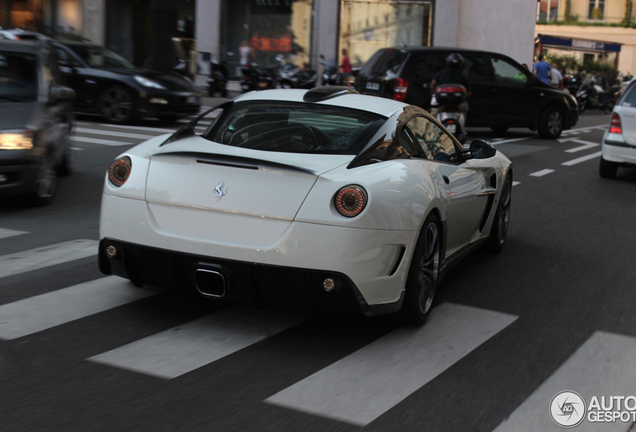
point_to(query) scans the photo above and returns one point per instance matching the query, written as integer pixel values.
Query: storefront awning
(579, 44)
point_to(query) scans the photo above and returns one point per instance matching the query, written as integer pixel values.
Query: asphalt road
(554, 311)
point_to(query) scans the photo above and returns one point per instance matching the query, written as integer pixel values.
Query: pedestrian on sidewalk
(542, 70)
(556, 79)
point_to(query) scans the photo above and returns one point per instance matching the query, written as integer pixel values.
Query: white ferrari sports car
(322, 198)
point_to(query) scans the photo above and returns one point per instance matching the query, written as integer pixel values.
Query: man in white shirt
(556, 79)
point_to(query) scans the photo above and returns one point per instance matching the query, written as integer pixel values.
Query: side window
(435, 144)
(629, 100)
(508, 74)
(425, 66)
(65, 59)
(476, 68)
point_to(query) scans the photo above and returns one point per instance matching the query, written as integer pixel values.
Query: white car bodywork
(619, 143)
(282, 213)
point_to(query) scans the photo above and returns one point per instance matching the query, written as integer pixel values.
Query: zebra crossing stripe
(138, 128)
(6, 233)
(602, 366)
(46, 256)
(197, 343)
(362, 386)
(100, 141)
(45, 311)
(113, 133)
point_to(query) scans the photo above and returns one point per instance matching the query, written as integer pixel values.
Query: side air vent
(318, 94)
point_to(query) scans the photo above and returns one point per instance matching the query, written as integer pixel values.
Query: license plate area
(372, 85)
(262, 84)
(191, 99)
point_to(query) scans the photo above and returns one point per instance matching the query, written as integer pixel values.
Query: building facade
(589, 30)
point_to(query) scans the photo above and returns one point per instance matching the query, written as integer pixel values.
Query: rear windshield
(383, 61)
(629, 99)
(18, 77)
(295, 127)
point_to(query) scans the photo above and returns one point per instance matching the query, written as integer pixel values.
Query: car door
(513, 103)
(74, 74)
(465, 185)
(479, 74)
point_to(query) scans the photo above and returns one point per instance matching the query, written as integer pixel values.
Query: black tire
(116, 104)
(45, 183)
(551, 122)
(607, 169)
(421, 282)
(499, 227)
(499, 129)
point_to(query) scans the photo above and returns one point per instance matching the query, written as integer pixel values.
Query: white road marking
(114, 133)
(197, 343)
(101, 141)
(76, 149)
(602, 366)
(46, 256)
(515, 183)
(586, 144)
(139, 128)
(59, 307)
(582, 159)
(362, 386)
(542, 173)
(5, 233)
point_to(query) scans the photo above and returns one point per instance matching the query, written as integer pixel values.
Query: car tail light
(119, 170)
(615, 124)
(450, 89)
(400, 88)
(350, 201)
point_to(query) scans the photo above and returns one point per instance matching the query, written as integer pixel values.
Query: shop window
(395, 23)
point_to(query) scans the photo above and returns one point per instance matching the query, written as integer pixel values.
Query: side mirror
(480, 149)
(61, 93)
(65, 67)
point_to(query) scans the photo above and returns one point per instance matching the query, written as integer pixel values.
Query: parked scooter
(447, 106)
(256, 78)
(592, 96)
(305, 78)
(331, 75)
(217, 81)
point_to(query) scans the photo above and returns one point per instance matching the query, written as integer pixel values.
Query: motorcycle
(446, 105)
(217, 81)
(255, 78)
(591, 95)
(331, 75)
(305, 78)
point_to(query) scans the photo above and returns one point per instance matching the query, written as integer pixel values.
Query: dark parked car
(107, 84)
(36, 115)
(504, 94)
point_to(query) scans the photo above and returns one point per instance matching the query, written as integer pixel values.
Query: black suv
(504, 93)
(36, 115)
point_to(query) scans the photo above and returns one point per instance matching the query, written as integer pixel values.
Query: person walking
(346, 67)
(556, 79)
(542, 70)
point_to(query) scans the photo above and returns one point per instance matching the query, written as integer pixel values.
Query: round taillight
(119, 170)
(350, 200)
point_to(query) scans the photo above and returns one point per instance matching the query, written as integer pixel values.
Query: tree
(163, 17)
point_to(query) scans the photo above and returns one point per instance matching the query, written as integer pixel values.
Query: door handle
(487, 191)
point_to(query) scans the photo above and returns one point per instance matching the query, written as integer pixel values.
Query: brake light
(450, 89)
(615, 124)
(119, 170)
(400, 88)
(350, 201)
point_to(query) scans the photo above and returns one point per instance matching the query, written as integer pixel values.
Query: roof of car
(377, 105)
(19, 46)
(435, 49)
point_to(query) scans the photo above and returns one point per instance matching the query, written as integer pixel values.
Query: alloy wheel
(116, 104)
(555, 122)
(429, 267)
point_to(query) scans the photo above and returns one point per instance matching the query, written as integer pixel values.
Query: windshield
(18, 77)
(100, 58)
(295, 127)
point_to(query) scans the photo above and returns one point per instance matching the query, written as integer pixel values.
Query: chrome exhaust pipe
(209, 283)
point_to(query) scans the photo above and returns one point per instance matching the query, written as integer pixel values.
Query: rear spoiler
(187, 130)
